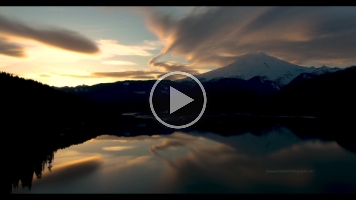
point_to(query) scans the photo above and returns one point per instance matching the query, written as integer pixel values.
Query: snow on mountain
(306, 76)
(250, 65)
(324, 69)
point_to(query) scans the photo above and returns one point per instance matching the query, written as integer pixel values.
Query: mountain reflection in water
(196, 162)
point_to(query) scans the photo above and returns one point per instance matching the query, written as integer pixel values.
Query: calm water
(200, 162)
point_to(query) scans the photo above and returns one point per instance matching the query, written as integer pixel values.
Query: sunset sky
(69, 46)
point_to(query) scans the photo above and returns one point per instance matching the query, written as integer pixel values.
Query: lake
(191, 161)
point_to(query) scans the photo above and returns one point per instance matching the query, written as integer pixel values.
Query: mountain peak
(257, 53)
(249, 65)
(254, 55)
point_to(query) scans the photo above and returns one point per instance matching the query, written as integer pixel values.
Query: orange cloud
(136, 74)
(10, 49)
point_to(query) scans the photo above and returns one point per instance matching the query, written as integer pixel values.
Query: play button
(178, 100)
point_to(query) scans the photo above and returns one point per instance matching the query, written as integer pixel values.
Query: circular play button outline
(184, 74)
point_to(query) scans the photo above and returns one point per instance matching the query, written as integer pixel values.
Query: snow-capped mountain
(259, 64)
(323, 70)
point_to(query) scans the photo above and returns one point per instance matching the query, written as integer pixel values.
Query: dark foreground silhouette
(30, 108)
(37, 120)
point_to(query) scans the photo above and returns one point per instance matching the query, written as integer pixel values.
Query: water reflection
(238, 165)
(198, 162)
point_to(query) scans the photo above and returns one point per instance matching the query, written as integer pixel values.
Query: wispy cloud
(44, 75)
(128, 74)
(35, 52)
(153, 44)
(171, 66)
(10, 49)
(131, 74)
(112, 48)
(54, 36)
(217, 35)
(117, 62)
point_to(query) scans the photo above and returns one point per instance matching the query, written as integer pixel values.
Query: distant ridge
(250, 65)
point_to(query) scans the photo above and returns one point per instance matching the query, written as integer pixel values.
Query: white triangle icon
(177, 100)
